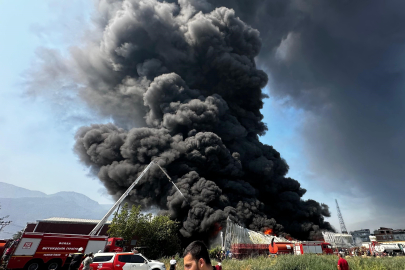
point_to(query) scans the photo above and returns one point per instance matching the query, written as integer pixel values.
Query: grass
(305, 262)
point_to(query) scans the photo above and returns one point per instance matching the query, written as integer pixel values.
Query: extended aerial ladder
(96, 229)
(342, 223)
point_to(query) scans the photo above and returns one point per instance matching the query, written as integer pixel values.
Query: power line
(4, 224)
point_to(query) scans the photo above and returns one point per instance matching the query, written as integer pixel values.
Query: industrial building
(384, 234)
(66, 225)
(363, 235)
(338, 240)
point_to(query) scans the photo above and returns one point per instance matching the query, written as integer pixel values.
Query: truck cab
(114, 244)
(327, 248)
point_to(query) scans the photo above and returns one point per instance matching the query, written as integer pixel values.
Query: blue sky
(37, 139)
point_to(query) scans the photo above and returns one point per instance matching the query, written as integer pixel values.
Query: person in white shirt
(88, 261)
(173, 264)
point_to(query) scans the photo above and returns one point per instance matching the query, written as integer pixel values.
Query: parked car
(123, 261)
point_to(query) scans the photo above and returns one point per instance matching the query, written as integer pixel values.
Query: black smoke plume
(182, 86)
(341, 62)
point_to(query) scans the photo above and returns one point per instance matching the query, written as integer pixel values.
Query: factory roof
(71, 220)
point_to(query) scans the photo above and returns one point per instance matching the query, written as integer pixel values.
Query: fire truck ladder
(96, 229)
(342, 223)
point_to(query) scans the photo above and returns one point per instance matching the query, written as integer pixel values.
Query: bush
(213, 252)
(158, 234)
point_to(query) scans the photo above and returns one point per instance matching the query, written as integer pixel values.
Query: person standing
(173, 263)
(342, 263)
(76, 259)
(88, 261)
(196, 257)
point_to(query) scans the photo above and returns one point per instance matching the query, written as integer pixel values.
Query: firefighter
(76, 259)
(88, 261)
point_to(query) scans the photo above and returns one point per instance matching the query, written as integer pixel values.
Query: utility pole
(342, 223)
(4, 224)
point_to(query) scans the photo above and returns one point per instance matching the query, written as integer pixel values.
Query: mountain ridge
(30, 206)
(13, 191)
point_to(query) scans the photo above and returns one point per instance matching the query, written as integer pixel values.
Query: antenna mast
(342, 223)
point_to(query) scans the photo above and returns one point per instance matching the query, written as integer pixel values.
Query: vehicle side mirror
(146, 262)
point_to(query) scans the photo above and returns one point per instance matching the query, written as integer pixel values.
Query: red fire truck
(51, 251)
(37, 251)
(4, 244)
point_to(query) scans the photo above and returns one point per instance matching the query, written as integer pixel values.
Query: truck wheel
(33, 265)
(53, 265)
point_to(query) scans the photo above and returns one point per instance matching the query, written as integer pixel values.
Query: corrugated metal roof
(71, 220)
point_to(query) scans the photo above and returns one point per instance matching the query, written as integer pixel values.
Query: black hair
(198, 250)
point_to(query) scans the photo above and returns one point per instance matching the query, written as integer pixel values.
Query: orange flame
(268, 232)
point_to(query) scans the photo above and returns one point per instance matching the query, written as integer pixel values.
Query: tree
(158, 234)
(18, 235)
(125, 223)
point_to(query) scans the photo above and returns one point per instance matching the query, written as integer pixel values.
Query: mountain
(107, 206)
(11, 191)
(36, 205)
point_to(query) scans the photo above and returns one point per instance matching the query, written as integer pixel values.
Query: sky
(321, 133)
(36, 152)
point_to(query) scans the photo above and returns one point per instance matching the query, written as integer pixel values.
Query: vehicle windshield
(329, 246)
(146, 258)
(119, 243)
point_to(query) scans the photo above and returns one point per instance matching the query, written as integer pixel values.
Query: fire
(268, 232)
(289, 238)
(216, 230)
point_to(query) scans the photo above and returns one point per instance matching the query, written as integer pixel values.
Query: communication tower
(342, 223)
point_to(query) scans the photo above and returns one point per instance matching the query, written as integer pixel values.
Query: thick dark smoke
(343, 63)
(181, 84)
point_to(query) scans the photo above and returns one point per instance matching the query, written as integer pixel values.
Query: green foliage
(305, 262)
(125, 224)
(214, 251)
(18, 235)
(158, 234)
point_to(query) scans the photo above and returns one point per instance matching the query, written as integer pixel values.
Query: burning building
(339, 240)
